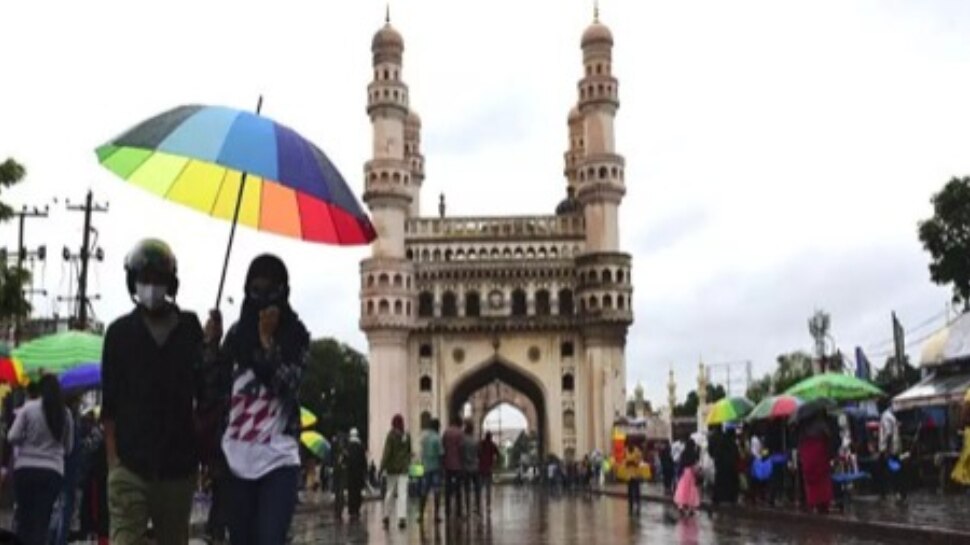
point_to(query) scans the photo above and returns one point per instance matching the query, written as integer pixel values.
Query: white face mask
(150, 296)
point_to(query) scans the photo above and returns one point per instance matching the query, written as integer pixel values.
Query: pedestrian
(470, 466)
(814, 458)
(687, 498)
(961, 470)
(267, 350)
(338, 458)
(72, 469)
(150, 390)
(432, 456)
(667, 468)
(723, 449)
(452, 443)
(394, 464)
(94, 482)
(632, 463)
(889, 470)
(488, 457)
(356, 474)
(42, 433)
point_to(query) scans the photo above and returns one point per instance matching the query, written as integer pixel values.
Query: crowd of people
(813, 463)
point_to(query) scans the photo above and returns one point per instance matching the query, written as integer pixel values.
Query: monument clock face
(495, 299)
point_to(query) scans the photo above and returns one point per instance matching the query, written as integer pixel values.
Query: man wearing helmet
(150, 390)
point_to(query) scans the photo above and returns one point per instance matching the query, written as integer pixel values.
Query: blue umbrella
(83, 377)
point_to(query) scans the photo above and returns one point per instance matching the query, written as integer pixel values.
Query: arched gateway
(539, 305)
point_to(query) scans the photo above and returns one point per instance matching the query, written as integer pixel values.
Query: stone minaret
(388, 297)
(604, 287)
(574, 155)
(415, 159)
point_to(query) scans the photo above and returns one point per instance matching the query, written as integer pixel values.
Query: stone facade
(534, 309)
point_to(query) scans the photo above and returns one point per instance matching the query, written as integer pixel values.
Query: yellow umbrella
(307, 419)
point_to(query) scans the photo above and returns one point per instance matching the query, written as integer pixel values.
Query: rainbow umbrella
(315, 443)
(239, 166)
(780, 406)
(307, 418)
(11, 372)
(59, 352)
(729, 409)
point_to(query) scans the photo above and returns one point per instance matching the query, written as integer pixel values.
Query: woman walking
(43, 433)
(267, 349)
(688, 497)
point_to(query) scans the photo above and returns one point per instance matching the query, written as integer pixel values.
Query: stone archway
(498, 370)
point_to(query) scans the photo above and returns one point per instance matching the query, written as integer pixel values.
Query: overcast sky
(779, 154)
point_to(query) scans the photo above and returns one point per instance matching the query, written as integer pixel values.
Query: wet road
(530, 516)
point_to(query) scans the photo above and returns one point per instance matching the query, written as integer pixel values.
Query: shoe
(402, 524)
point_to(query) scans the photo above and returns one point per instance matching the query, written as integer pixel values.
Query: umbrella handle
(235, 220)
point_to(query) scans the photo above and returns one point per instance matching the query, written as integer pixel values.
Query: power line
(921, 325)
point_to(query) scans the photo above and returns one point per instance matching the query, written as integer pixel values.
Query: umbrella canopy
(83, 377)
(810, 409)
(315, 443)
(780, 406)
(11, 372)
(59, 352)
(196, 156)
(729, 409)
(307, 418)
(835, 386)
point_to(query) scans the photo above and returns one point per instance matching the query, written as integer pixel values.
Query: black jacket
(150, 392)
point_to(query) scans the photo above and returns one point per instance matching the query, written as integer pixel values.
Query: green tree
(946, 236)
(790, 369)
(13, 302)
(335, 387)
(689, 407)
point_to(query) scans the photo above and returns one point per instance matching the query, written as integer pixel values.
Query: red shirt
(452, 441)
(487, 456)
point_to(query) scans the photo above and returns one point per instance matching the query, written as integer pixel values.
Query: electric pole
(86, 253)
(23, 254)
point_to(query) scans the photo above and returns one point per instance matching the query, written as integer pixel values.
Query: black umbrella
(811, 409)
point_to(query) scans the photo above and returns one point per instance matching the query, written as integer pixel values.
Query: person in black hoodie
(267, 350)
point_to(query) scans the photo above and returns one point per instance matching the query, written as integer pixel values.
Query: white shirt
(889, 433)
(255, 442)
(676, 450)
(756, 446)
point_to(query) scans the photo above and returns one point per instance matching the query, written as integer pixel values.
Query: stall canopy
(950, 344)
(936, 389)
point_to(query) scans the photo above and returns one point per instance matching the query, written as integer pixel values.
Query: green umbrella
(59, 352)
(315, 443)
(836, 386)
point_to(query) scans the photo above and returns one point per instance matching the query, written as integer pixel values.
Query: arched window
(370, 280)
(448, 255)
(607, 301)
(449, 305)
(425, 255)
(604, 173)
(436, 256)
(607, 276)
(398, 307)
(619, 276)
(425, 304)
(370, 308)
(543, 306)
(425, 383)
(569, 420)
(593, 302)
(506, 253)
(383, 280)
(566, 303)
(398, 280)
(424, 350)
(590, 276)
(473, 304)
(386, 76)
(619, 302)
(519, 306)
(568, 382)
(460, 255)
(410, 255)
(567, 349)
(495, 253)
(518, 253)
(383, 307)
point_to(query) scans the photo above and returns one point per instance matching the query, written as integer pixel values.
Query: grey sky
(779, 153)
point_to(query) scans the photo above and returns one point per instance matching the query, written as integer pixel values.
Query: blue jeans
(36, 491)
(260, 511)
